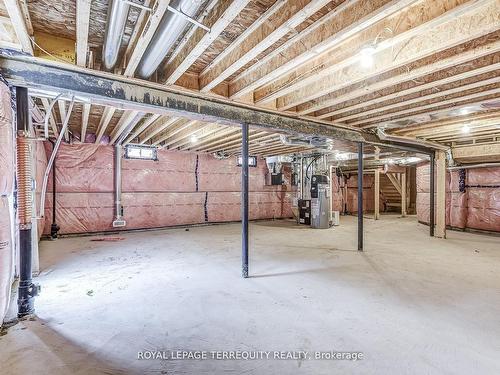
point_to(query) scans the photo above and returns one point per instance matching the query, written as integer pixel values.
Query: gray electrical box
(320, 202)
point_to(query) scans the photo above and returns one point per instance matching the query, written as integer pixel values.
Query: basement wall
(180, 188)
(476, 208)
(352, 194)
(6, 198)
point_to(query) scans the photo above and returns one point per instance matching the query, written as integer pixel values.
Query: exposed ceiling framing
(434, 73)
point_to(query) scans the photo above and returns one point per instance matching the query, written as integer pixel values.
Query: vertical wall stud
(403, 194)
(440, 230)
(377, 194)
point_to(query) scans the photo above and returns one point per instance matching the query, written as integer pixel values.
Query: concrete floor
(412, 304)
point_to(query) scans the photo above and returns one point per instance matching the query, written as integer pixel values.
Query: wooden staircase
(390, 191)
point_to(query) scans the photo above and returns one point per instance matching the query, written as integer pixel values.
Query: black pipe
(244, 200)
(431, 197)
(27, 290)
(360, 196)
(54, 228)
(22, 109)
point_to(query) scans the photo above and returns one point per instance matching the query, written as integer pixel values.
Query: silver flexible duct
(411, 141)
(115, 28)
(168, 32)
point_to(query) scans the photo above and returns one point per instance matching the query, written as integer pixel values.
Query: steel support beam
(431, 195)
(134, 94)
(244, 200)
(360, 196)
(49, 77)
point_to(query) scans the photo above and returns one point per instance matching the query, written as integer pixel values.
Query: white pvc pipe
(52, 157)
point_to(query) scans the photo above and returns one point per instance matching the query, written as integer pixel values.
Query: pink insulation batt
(7, 153)
(180, 188)
(476, 208)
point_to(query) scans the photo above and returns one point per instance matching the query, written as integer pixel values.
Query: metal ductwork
(171, 27)
(115, 27)
(411, 141)
(310, 141)
(168, 32)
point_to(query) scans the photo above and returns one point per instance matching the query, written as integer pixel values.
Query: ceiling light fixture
(465, 110)
(194, 139)
(367, 56)
(466, 129)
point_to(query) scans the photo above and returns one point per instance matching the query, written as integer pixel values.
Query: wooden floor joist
(19, 24)
(220, 17)
(285, 66)
(347, 19)
(377, 101)
(82, 31)
(158, 126)
(141, 128)
(477, 21)
(291, 14)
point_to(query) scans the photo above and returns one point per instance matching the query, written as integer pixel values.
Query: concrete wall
(180, 188)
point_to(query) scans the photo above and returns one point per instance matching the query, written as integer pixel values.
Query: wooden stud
(128, 118)
(403, 194)
(85, 121)
(146, 124)
(440, 230)
(19, 24)
(343, 22)
(106, 117)
(82, 31)
(160, 125)
(220, 17)
(376, 214)
(338, 113)
(292, 13)
(457, 26)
